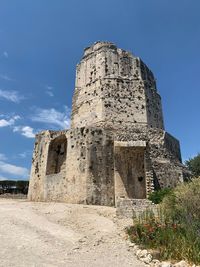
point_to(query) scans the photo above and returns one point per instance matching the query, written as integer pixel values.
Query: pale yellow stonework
(117, 148)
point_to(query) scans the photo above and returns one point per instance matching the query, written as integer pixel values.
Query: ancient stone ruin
(116, 149)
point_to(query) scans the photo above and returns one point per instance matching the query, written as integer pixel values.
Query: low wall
(132, 208)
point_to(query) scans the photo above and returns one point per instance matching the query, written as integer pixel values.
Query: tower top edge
(104, 44)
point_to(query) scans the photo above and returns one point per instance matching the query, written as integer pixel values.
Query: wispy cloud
(5, 54)
(12, 96)
(2, 157)
(13, 169)
(9, 122)
(5, 77)
(26, 131)
(25, 154)
(52, 117)
(48, 87)
(49, 93)
(49, 90)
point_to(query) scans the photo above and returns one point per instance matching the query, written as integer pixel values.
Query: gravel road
(58, 234)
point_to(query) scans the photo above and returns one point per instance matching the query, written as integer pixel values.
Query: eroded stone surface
(117, 148)
(114, 88)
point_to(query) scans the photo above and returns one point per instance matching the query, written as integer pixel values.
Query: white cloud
(52, 117)
(5, 54)
(12, 96)
(13, 169)
(5, 77)
(26, 131)
(4, 123)
(9, 122)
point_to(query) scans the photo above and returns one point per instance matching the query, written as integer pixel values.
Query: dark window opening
(57, 155)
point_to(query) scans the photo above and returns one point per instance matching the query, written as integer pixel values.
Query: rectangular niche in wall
(129, 173)
(57, 153)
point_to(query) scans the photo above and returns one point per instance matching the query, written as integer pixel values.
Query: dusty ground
(57, 234)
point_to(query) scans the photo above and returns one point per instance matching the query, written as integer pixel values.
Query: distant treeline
(14, 187)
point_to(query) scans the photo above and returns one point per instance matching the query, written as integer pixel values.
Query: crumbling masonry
(117, 148)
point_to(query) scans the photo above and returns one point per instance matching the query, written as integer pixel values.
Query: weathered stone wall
(162, 157)
(98, 171)
(86, 175)
(38, 186)
(112, 88)
(90, 162)
(132, 208)
(38, 169)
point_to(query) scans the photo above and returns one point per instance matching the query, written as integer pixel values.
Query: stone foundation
(133, 208)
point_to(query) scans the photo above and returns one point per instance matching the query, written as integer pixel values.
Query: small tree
(22, 186)
(193, 165)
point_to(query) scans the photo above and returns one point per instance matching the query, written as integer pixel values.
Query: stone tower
(116, 149)
(114, 88)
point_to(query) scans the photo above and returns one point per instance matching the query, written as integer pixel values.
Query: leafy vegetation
(193, 165)
(174, 231)
(14, 187)
(157, 196)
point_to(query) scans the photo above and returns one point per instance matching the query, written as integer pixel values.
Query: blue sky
(41, 41)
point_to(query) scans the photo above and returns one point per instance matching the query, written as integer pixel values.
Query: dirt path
(57, 234)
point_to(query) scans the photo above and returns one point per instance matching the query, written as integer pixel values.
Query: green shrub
(193, 165)
(184, 205)
(157, 196)
(174, 232)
